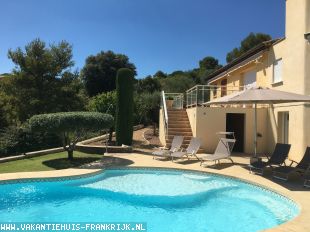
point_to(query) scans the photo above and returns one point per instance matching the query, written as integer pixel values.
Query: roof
(259, 48)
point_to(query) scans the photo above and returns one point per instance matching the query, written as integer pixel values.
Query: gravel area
(142, 139)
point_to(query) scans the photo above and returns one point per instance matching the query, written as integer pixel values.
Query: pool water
(166, 200)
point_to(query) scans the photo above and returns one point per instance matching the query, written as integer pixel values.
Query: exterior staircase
(178, 125)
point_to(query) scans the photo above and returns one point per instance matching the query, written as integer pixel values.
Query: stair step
(179, 130)
(185, 137)
(187, 134)
(185, 140)
(177, 120)
(178, 114)
(179, 125)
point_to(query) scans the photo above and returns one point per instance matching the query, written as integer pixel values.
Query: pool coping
(291, 225)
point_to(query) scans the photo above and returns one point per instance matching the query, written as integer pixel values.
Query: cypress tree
(124, 106)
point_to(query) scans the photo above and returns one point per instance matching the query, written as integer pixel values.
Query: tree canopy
(207, 66)
(252, 40)
(41, 81)
(99, 71)
(71, 126)
(148, 84)
(177, 83)
(160, 74)
(209, 62)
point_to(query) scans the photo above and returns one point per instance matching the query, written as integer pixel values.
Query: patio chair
(175, 146)
(191, 150)
(283, 172)
(222, 151)
(277, 158)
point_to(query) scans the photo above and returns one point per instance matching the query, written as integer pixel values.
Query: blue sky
(165, 35)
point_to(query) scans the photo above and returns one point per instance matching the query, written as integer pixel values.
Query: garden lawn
(54, 161)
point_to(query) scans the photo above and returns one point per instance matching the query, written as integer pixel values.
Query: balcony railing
(197, 96)
(200, 94)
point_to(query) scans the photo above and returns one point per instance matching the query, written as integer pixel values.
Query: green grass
(54, 161)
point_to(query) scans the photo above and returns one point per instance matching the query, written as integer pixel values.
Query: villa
(280, 64)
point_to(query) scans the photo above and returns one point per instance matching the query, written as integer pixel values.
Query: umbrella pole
(255, 130)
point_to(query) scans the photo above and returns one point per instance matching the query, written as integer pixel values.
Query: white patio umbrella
(259, 95)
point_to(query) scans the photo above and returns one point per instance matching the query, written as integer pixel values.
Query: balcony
(200, 94)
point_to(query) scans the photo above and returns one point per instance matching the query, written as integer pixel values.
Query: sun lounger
(175, 146)
(222, 151)
(283, 172)
(191, 150)
(277, 158)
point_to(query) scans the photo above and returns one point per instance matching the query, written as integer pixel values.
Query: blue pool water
(167, 200)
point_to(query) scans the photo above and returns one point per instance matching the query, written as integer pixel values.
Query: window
(223, 87)
(214, 90)
(283, 129)
(250, 78)
(277, 71)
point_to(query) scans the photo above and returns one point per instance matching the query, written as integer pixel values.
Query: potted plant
(169, 102)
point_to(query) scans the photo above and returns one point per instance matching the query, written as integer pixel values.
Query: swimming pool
(166, 200)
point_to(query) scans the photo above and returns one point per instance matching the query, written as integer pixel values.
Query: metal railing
(200, 94)
(175, 99)
(165, 111)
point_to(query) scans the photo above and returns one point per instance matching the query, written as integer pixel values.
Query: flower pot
(169, 104)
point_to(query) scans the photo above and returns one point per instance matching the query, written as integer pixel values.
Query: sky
(165, 35)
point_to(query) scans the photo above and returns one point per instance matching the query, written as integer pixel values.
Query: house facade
(281, 64)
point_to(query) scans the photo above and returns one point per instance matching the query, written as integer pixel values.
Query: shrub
(124, 106)
(71, 126)
(147, 107)
(104, 103)
(14, 140)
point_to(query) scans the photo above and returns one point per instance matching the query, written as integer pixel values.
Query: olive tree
(104, 103)
(71, 126)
